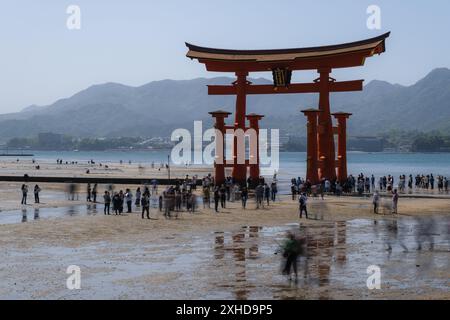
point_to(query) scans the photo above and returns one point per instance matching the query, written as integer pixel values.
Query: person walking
(128, 199)
(244, 196)
(36, 193)
(216, 198)
(107, 202)
(24, 194)
(291, 250)
(303, 205)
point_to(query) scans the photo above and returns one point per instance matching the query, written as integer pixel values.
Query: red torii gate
(322, 161)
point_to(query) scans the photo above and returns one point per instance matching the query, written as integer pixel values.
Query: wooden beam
(343, 86)
(293, 88)
(347, 60)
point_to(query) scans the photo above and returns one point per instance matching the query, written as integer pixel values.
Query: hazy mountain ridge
(156, 108)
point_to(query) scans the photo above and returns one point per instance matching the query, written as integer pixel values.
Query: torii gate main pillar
(325, 128)
(312, 163)
(342, 144)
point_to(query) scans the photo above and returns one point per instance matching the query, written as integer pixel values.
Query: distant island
(155, 109)
(396, 141)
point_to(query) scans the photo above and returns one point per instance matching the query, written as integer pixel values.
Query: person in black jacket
(216, 198)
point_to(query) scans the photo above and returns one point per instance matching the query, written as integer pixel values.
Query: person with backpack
(303, 200)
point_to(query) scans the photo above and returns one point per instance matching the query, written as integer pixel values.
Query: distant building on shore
(365, 144)
(49, 139)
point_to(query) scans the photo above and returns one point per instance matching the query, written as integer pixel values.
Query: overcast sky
(135, 42)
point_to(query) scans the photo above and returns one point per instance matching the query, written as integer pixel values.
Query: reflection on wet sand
(16, 216)
(242, 245)
(325, 264)
(24, 215)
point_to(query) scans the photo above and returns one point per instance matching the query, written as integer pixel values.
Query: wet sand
(228, 255)
(207, 255)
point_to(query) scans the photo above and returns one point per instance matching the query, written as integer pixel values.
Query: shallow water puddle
(28, 213)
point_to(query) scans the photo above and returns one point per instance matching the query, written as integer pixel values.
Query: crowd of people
(182, 196)
(369, 184)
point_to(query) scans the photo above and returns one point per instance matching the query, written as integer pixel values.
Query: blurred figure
(138, 197)
(376, 202)
(216, 198)
(206, 197)
(394, 201)
(223, 196)
(24, 215)
(145, 205)
(291, 249)
(425, 232)
(116, 203)
(36, 213)
(94, 193)
(244, 196)
(267, 193)
(121, 201)
(259, 192)
(88, 193)
(303, 199)
(71, 190)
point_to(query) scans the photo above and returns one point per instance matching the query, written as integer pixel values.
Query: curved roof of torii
(335, 56)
